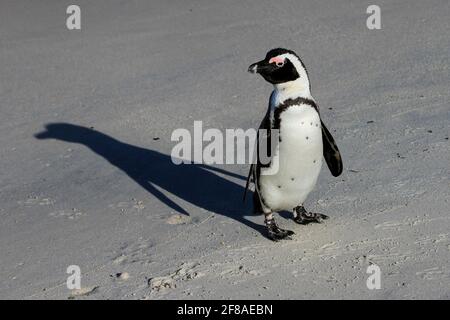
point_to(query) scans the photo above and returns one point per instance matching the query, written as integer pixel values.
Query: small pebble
(123, 276)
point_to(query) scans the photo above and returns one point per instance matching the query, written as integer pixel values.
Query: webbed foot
(301, 216)
(275, 233)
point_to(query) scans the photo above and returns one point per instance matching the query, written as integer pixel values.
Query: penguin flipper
(255, 168)
(331, 152)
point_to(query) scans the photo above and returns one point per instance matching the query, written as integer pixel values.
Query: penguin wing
(331, 152)
(255, 169)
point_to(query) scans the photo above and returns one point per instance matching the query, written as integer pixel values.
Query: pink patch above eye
(277, 60)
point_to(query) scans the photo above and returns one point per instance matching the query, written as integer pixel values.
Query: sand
(98, 189)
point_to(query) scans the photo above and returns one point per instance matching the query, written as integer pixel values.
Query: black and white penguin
(296, 160)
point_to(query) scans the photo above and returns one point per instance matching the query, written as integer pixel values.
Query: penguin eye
(279, 61)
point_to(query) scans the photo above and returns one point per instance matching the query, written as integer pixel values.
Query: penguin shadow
(197, 184)
(285, 214)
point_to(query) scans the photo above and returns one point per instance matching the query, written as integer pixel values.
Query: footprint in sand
(186, 272)
(83, 292)
(36, 200)
(128, 206)
(435, 273)
(72, 214)
(178, 219)
(134, 253)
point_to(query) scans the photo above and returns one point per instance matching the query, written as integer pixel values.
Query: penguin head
(68, 132)
(282, 68)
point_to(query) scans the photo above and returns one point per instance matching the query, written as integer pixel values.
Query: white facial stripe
(296, 88)
(297, 64)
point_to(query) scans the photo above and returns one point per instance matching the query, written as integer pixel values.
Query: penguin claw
(304, 217)
(275, 233)
(316, 218)
(282, 235)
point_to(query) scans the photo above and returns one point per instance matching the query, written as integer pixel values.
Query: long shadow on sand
(196, 183)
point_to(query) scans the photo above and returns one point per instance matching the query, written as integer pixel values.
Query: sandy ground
(109, 199)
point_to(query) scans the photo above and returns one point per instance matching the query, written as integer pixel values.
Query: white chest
(297, 161)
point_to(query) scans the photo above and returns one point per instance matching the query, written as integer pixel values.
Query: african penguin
(296, 160)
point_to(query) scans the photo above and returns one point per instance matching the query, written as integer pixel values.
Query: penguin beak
(260, 67)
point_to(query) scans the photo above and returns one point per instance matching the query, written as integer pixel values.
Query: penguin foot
(301, 216)
(275, 233)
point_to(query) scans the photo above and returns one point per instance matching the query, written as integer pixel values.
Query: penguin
(296, 156)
